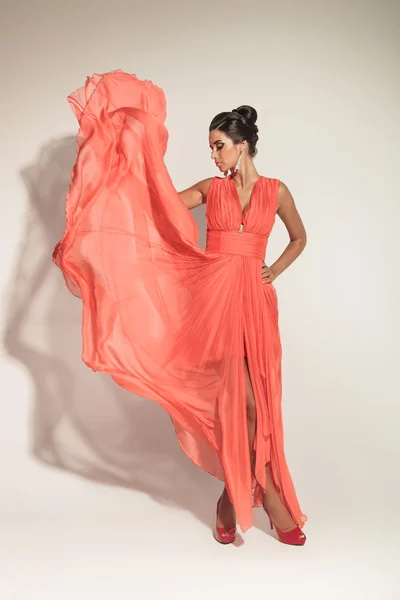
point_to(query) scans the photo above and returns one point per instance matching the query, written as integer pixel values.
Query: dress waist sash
(240, 243)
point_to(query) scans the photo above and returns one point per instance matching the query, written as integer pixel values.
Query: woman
(194, 330)
(233, 138)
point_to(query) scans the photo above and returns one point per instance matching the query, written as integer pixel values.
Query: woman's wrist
(276, 270)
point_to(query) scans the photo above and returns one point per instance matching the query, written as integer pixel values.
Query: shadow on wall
(82, 421)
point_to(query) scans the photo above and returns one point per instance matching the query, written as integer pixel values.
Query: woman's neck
(246, 175)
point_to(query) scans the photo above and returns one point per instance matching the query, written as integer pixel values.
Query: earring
(238, 163)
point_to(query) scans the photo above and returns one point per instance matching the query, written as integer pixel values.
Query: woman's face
(224, 152)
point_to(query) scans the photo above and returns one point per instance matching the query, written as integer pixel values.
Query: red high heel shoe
(294, 537)
(221, 534)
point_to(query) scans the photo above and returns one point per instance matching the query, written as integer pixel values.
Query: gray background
(96, 497)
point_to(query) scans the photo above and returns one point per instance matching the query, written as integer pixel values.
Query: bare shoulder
(204, 186)
(285, 198)
(288, 213)
(197, 193)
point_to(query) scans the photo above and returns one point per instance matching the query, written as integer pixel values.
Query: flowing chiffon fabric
(166, 319)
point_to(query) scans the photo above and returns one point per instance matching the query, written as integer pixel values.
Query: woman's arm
(196, 194)
(287, 212)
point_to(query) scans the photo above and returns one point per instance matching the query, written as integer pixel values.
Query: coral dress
(166, 319)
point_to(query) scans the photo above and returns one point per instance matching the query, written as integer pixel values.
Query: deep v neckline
(236, 193)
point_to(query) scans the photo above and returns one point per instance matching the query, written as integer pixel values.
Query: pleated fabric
(164, 318)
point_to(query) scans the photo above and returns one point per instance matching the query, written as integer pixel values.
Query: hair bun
(248, 113)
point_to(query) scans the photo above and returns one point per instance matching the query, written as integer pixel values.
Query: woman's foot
(226, 516)
(293, 536)
(286, 528)
(274, 506)
(225, 527)
(278, 513)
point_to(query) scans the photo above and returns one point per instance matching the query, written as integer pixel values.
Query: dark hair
(239, 125)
